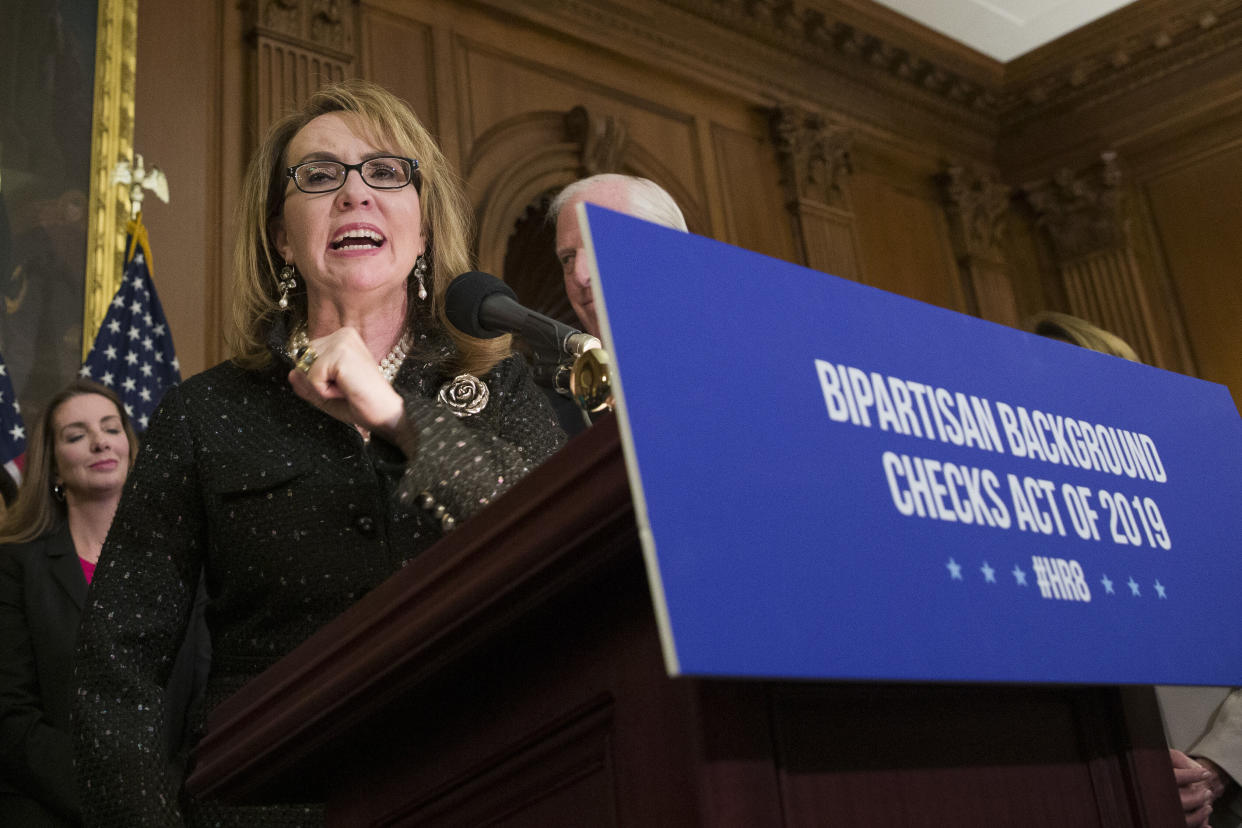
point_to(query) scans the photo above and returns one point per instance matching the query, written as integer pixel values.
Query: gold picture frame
(112, 139)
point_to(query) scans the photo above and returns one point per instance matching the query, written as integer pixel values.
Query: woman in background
(80, 452)
(1201, 780)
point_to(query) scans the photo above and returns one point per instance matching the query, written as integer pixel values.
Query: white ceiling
(1004, 29)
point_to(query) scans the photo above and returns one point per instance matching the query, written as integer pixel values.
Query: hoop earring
(58, 492)
(286, 282)
(420, 273)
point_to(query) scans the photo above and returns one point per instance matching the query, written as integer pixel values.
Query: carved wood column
(814, 155)
(602, 141)
(1084, 215)
(299, 45)
(977, 202)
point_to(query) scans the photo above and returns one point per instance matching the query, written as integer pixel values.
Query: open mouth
(357, 239)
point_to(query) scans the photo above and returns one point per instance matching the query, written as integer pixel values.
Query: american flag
(12, 430)
(133, 351)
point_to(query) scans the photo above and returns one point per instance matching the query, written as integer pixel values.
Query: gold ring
(306, 359)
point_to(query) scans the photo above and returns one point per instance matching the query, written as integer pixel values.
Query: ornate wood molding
(826, 32)
(814, 155)
(1085, 216)
(865, 44)
(977, 202)
(324, 26)
(603, 140)
(299, 46)
(1119, 53)
(1081, 212)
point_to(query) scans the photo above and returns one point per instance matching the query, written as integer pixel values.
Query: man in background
(634, 196)
(637, 197)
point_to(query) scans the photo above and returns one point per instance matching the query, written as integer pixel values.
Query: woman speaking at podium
(352, 428)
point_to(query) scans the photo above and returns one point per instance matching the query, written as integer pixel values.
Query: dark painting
(47, 64)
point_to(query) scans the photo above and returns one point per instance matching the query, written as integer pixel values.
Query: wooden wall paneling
(1036, 280)
(398, 53)
(175, 128)
(903, 234)
(1194, 209)
(756, 215)
(503, 84)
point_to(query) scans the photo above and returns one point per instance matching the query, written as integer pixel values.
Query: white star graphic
(136, 307)
(176, 365)
(1019, 575)
(129, 384)
(1160, 589)
(1108, 585)
(159, 330)
(18, 432)
(1134, 587)
(85, 371)
(131, 358)
(147, 343)
(146, 369)
(4, 372)
(119, 301)
(143, 420)
(145, 394)
(146, 317)
(114, 326)
(129, 409)
(110, 352)
(955, 570)
(134, 333)
(107, 379)
(989, 574)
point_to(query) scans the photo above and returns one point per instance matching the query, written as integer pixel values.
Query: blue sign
(833, 481)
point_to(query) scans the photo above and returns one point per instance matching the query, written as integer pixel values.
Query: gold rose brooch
(464, 395)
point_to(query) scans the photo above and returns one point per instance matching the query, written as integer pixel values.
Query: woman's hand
(340, 376)
(1193, 787)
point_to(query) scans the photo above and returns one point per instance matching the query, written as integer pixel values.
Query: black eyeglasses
(388, 172)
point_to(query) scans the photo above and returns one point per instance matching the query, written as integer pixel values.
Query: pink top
(88, 569)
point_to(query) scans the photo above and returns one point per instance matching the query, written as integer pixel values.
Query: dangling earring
(286, 282)
(420, 272)
(58, 492)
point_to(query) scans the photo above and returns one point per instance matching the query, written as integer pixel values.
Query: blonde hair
(36, 511)
(1081, 333)
(447, 224)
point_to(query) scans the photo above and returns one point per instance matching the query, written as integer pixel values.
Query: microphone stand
(582, 371)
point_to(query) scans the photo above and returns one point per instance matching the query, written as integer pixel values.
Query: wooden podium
(512, 675)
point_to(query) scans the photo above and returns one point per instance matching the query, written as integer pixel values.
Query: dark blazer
(42, 592)
(291, 516)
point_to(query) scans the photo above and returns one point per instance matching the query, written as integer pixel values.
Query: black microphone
(483, 306)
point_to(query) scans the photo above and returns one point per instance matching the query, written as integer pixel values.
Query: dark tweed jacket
(293, 517)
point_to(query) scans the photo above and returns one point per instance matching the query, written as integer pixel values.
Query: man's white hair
(648, 200)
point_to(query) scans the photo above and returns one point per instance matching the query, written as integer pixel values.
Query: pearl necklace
(388, 366)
